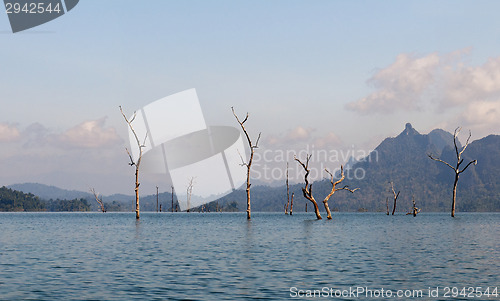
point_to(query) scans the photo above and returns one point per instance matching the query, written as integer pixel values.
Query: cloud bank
(437, 82)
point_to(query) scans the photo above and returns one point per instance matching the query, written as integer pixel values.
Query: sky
(339, 75)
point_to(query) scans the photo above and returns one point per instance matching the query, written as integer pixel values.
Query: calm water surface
(222, 256)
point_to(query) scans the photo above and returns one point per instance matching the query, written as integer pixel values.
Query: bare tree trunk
(307, 190)
(189, 192)
(387, 204)
(99, 201)
(136, 163)
(172, 209)
(287, 190)
(291, 204)
(137, 208)
(306, 207)
(456, 168)
(454, 195)
(157, 199)
(395, 197)
(249, 163)
(334, 189)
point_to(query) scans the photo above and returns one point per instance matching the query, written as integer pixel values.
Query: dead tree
(387, 205)
(291, 204)
(189, 192)
(96, 195)
(456, 169)
(414, 210)
(157, 199)
(249, 163)
(395, 197)
(172, 209)
(334, 189)
(307, 190)
(287, 191)
(137, 162)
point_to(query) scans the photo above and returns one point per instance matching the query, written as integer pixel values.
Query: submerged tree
(395, 197)
(136, 163)
(456, 168)
(248, 164)
(287, 192)
(334, 189)
(414, 210)
(172, 208)
(387, 205)
(291, 204)
(307, 190)
(157, 199)
(99, 201)
(189, 192)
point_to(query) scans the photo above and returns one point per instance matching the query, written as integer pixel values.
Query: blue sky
(329, 73)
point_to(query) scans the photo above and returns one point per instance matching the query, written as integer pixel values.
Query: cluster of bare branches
(456, 169)
(414, 210)
(307, 190)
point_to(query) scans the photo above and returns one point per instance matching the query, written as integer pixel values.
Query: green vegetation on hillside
(13, 201)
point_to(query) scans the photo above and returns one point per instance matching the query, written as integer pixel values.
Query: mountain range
(402, 160)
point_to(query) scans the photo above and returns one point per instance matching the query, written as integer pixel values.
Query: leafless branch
(439, 160)
(471, 162)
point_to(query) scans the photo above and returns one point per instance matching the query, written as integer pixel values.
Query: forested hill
(13, 200)
(403, 160)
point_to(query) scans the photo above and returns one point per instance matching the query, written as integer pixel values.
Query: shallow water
(222, 256)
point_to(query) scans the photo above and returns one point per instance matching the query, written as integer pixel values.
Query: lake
(222, 256)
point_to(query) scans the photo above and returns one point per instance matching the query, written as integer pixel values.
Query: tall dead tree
(248, 164)
(456, 168)
(291, 204)
(172, 209)
(334, 189)
(96, 195)
(157, 199)
(189, 192)
(395, 197)
(287, 191)
(387, 205)
(307, 190)
(136, 163)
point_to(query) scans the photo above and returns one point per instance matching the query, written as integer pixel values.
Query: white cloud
(300, 136)
(464, 84)
(399, 86)
(330, 140)
(8, 132)
(441, 83)
(481, 117)
(89, 134)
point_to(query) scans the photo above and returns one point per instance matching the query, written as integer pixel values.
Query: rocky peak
(409, 131)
